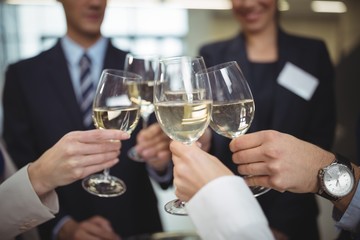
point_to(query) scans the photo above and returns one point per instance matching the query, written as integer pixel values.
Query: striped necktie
(87, 89)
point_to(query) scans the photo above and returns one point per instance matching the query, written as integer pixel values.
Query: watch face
(338, 180)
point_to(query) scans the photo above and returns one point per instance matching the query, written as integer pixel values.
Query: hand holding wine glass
(233, 103)
(182, 105)
(116, 106)
(145, 66)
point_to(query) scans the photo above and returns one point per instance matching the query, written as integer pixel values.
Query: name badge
(298, 81)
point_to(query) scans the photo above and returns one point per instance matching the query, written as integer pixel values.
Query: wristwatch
(337, 179)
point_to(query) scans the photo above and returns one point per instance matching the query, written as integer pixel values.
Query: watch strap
(343, 160)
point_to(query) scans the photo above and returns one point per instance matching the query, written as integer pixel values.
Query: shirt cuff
(50, 200)
(32, 210)
(350, 220)
(58, 227)
(164, 178)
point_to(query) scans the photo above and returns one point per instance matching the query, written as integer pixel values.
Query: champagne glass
(233, 104)
(145, 66)
(182, 105)
(116, 106)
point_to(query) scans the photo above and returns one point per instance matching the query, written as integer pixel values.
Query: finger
(177, 159)
(96, 159)
(154, 151)
(180, 189)
(97, 135)
(180, 149)
(247, 141)
(106, 230)
(149, 132)
(153, 141)
(257, 181)
(255, 169)
(265, 181)
(99, 167)
(180, 195)
(93, 230)
(84, 234)
(164, 155)
(154, 129)
(102, 147)
(247, 156)
(78, 148)
(102, 222)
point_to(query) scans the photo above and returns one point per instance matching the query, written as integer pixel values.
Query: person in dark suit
(291, 78)
(41, 104)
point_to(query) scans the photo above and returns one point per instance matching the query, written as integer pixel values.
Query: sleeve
(350, 220)
(165, 180)
(225, 209)
(17, 130)
(358, 140)
(17, 194)
(321, 130)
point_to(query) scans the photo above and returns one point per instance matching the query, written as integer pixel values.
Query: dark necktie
(87, 89)
(2, 166)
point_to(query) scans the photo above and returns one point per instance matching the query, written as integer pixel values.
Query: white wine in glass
(145, 66)
(116, 106)
(233, 104)
(183, 105)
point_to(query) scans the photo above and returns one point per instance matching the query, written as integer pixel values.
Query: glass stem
(106, 173)
(145, 122)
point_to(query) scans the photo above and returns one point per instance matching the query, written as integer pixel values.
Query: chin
(253, 28)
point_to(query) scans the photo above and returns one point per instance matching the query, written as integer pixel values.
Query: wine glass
(233, 103)
(145, 66)
(116, 106)
(182, 105)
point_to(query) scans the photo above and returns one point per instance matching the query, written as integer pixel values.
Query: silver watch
(336, 180)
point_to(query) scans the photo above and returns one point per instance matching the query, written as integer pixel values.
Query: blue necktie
(87, 89)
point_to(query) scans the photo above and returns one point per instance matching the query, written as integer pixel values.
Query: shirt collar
(73, 51)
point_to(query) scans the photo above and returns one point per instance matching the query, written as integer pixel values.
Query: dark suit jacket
(358, 141)
(313, 121)
(41, 107)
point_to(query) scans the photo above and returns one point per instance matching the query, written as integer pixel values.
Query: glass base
(133, 155)
(102, 186)
(258, 190)
(176, 207)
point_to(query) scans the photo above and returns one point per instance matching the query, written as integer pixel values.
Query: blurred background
(180, 27)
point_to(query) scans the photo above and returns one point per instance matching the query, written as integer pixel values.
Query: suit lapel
(238, 53)
(281, 107)
(285, 52)
(62, 84)
(114, 58)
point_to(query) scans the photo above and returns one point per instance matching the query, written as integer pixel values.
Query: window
(139, 30)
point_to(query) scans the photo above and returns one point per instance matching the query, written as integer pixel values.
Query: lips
(251, 16)
(94, 17)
